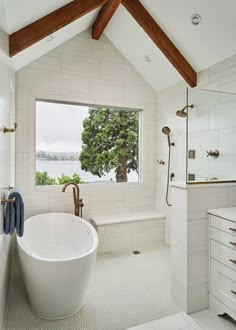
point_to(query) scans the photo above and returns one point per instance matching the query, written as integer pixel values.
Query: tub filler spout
(77, 201)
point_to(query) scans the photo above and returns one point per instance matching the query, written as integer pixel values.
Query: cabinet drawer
(223, 224)
(223, 282)
(222, 237)
(223, 254)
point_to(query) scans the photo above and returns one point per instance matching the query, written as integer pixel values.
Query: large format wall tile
(92, 72)
(211, 126)
(6, 106)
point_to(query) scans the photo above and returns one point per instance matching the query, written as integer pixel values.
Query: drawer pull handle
(232, 243)
(233, 261)
(234, 292)
(233, 229)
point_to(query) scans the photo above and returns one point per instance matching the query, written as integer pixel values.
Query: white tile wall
(87, 71)
(50, 61)
(211, 126)
(197, 235)
(4, 42)
(201, 199)
(5, 179)
(198, 298)
(33, 78)
(80, 65)
(134, 235)
(190, 240)
(116, 71)
(168, 102)
(83, 70)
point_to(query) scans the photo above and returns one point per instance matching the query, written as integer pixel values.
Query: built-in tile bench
(129, 231)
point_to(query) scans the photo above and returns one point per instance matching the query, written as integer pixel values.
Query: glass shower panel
(211, 136)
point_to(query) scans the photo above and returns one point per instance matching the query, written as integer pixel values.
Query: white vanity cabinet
(222, 261)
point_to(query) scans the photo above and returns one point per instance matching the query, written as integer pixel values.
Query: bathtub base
(56, 290)
(55, 318)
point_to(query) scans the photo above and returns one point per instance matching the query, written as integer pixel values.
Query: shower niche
(211, 136)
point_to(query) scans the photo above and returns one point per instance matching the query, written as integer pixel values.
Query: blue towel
(14, 214)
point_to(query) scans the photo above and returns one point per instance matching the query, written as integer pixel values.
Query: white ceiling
(133, 43)
(44, 46)
(202, 45)
(19, 13)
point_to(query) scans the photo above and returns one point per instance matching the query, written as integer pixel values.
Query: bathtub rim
(34, 256)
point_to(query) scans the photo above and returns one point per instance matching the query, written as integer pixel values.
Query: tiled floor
(204, 320)
(173, 322)
(126, 290)
(208, 320)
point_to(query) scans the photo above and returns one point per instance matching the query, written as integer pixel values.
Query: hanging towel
(14, 214)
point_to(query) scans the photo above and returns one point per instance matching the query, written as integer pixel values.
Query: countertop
(228, 213)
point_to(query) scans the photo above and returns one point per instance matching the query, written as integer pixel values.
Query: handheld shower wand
(166, 130)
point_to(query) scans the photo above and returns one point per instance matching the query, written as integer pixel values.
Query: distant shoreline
(55, 168)
(58, 159)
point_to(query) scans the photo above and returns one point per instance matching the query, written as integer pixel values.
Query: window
(86, 144)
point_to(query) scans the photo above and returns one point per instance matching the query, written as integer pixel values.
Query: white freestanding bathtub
(57, 255)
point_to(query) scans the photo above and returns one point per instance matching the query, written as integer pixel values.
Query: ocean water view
(67, 167)
(59, 150)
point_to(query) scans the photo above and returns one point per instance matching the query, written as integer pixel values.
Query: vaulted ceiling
(200, 46)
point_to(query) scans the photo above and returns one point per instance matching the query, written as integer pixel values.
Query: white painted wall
(6, 166)
(88, 71)
(221, 76)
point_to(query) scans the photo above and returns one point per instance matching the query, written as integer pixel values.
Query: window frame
(122, 108)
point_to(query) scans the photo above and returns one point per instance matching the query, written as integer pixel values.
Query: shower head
(166, 130)
(181, 113)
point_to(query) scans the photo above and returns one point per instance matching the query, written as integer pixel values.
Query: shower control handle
(213, 153)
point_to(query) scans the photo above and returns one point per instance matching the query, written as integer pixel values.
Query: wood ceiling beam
(104, 17)
(158, 36)
(50, 23)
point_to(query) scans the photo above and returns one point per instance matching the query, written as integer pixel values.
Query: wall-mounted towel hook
(8, 188)
(10, 130)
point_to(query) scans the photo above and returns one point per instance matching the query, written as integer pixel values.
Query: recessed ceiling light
(50, 38)
(147, 58)
(196, 19)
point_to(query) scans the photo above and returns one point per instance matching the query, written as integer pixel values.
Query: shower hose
(168, 179)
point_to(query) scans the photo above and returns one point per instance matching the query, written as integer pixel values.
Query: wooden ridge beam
(158, 36)
(104, 17)
(50, 23)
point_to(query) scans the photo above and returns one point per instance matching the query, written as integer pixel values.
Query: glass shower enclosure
(211, 136)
